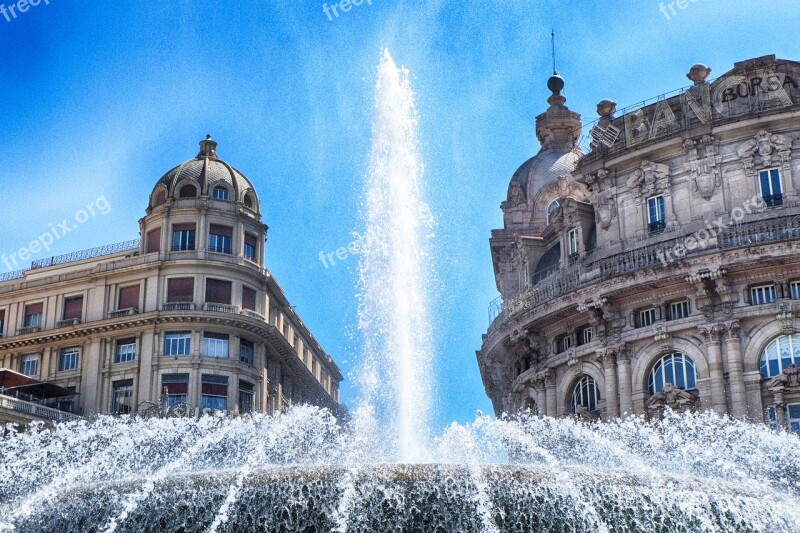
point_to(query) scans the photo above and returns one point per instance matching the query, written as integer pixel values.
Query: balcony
(24, 399)
(27, 330)
(775, 200)
(21, 410)
(253, 314)
(178, 306)
(123, 312)
(221, 308)
(657, 227)
(68, 323)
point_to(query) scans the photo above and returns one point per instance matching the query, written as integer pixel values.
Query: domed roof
(545, 167)
(207, 169)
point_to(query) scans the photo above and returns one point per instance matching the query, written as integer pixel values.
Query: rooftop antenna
(553, 41)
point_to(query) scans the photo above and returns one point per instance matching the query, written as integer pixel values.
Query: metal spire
(553, 40)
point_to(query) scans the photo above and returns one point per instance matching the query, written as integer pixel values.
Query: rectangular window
(771, 416)
(154, 241)
(126, 351)
(647, 317)
(33, 315)
(566, 343)
(122, 397)
(763, 294)
(220, 239)
(245, 396)
(588, 335)
(180, 290)
(572, 238)
(678, 310)
(178, 344)
(250, 247)
(175, 387)
(246, 351)
(215, 345)
(183, 237)
(794, 287)
(793, 420)
(656, 218)
(769, 184)
(68, 359)
(248, 298)
(73, 308)
(29, 364)
(218, 291)
(2, 322)
(214, 392)
(128, 297)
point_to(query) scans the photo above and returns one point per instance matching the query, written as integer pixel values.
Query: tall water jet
(394, 273)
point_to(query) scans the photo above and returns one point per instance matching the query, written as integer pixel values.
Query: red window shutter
(2, 315)
(251, 240)
(175, 383)
(180, 290)
(248, 298)
(73, 308)
(33, 309)
(154, 241)
(183, 227)
(218, 291)
(129, 297)
(215, 389)
(223, 231)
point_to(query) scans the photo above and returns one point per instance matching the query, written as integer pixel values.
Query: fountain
(382, 471)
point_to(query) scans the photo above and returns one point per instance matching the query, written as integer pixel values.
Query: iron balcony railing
(91, 253)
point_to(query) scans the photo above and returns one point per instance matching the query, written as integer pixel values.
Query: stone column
(716, 370)
(609, 360)
(624, 374)
(550, 388)
(736, 371)
(541, 397)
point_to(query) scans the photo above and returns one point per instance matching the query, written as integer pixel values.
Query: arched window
(550, 209)
(188, 191)
(220, 193)
(248, 201)
(779, 354)
(161, 197)
(676, 369)
(586, 394)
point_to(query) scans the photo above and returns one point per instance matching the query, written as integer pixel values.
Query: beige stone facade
(661, 268)
(186, 315)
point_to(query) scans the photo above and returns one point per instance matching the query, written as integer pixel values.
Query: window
(676, 369)
(565, 343)
(128, 298)
(33, 315)
(154, 241)
(218, 291)
(245, 397)
(180, 290)
(220, 193)
(550, 210)
(793, 420)
(779, 354)
(29, 364)
(215, 345)
(248, 201)
(246, 351)
(647, 317)
(214, 392)
(188, 191)
(656, 218)
(122, 397)
(220, 239)
(177, 344)
(183, 237)
(175, 387)
(793, 286)
(769, 184)
(763, 294)
(248, 298)
(2, 321)
(586, 394)
(161, 197)
(587, 334)
(572, 238)
(126, 351)
(73, 308)
(68, 359)
(771, 417)
(250, 247)
(678, 310)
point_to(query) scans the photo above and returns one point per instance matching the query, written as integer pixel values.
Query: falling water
(395, 272)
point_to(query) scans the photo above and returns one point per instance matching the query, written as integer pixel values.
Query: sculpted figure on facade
(650, 178)
(516, 197)
(762, 149)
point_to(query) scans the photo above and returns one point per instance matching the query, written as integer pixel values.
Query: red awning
(12, 381)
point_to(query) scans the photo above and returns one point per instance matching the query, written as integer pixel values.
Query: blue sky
(102, 98)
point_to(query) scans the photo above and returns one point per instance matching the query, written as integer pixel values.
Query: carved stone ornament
(650, 178)
(567, 187)
(787, 381)
(605, 210)
(672, 398)
(516, 197)
(765, 149)
(705, 175)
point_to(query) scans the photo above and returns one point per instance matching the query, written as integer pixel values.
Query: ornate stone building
(187, 316)
(660, 268)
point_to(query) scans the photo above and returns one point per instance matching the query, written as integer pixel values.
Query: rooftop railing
(91, 253)
(35, 410)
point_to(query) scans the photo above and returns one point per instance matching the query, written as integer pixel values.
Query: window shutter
(154, 241)
(218, 291)
(180, 290)
(183, 227)
(73, 308)
(251, 240)
(175, 383)
(223, 231)
(215, 385)
(248, 298)
(2, 316)
(33, 309)
(129, 297)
